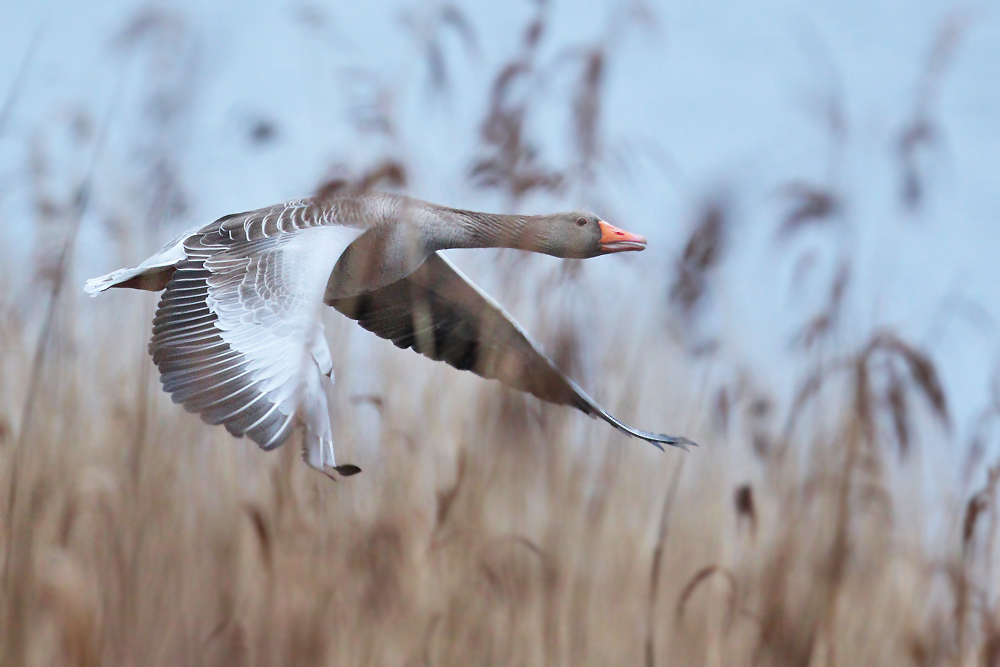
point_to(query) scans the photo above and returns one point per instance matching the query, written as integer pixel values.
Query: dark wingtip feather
(655, 439)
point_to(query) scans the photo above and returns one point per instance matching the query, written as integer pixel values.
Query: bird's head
(578, 235)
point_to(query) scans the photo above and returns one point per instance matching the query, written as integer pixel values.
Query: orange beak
(618, 240)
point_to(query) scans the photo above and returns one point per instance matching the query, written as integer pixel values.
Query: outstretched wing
(237, 327)
(441, 314)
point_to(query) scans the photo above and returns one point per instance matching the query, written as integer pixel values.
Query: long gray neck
(455, 228)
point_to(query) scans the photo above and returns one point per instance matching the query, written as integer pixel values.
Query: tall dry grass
(487, 528)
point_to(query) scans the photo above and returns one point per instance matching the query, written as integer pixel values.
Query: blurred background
(818, 308)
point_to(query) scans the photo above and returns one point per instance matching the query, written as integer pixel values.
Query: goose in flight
(238, 336)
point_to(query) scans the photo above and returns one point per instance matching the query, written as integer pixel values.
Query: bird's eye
(581, 222)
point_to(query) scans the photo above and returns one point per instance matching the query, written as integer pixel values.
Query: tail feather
(152, 275)
(148, 278)
(101, 283)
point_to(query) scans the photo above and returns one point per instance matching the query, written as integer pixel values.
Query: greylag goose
(238, 337)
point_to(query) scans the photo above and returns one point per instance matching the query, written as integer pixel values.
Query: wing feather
(235, 329)
(441, 314)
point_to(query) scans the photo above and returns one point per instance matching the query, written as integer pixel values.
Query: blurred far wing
(441, 314)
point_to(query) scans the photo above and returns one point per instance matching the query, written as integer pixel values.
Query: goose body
(238, 337)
